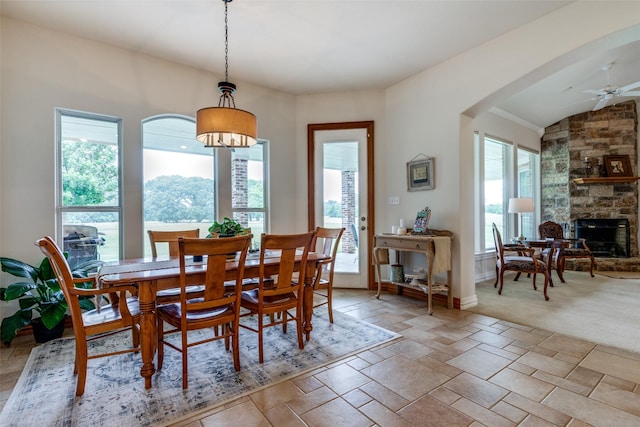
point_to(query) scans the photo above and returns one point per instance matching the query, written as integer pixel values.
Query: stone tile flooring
(455, 368)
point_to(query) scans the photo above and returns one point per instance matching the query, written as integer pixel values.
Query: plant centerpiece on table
(39, 292)
(227, 228)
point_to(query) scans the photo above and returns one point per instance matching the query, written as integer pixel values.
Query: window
(88, 195)
(500, 175)
(528, 172)
(249, 188)
(179, 184)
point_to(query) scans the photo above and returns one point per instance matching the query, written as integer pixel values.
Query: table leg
(147, 301)
(376, 262)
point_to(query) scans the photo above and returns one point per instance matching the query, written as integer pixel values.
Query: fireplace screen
(605, 237)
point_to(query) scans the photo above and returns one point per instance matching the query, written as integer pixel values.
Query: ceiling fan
(609, 92)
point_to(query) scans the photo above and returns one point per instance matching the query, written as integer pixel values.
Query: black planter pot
(42, 334)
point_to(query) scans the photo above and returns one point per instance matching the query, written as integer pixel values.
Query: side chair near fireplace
(121, 314)
(577, 249)
(524, 261)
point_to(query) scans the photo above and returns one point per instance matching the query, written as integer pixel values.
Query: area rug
(115, 393)
(598, 309)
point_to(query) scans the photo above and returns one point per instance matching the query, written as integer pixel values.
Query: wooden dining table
(153, 274)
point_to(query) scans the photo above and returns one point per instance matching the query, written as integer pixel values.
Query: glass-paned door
(341, 199)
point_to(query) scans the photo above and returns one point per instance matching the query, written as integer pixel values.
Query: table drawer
(415, 244)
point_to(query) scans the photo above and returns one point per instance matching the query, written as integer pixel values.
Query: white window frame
(60, 208)
(510, 189)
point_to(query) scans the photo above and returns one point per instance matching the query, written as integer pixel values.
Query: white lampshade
(521, 205)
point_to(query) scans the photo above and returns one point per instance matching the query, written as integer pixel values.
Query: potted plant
(227, 228)
(40, 292)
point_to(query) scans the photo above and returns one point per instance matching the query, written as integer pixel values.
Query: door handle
(362, 227)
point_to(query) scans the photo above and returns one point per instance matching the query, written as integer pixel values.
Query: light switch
(393, 200)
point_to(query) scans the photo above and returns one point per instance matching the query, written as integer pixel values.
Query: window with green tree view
(88, 199)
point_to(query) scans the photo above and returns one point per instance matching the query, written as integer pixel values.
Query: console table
(437, 250)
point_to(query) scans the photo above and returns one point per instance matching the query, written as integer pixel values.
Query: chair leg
(235, 345)
(299, 328)
(284, 320)
(160, 328)
(591, 268)
(330, 307)
(185, 360)
(535, 288)
(81, 366)
(226, 328)
(135, 337)
(546, 283)
(495, 284)
(560, 268)
(260, 349)
(501, 282)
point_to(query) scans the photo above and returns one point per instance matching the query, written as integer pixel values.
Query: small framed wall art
(420, 174)
(618, 165)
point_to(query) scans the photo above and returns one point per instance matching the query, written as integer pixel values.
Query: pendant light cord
(226, 41)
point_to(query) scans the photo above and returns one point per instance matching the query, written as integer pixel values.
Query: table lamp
(521, 205)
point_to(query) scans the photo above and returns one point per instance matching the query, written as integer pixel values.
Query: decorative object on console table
(618, 165)
(421, 225)
(420, 173)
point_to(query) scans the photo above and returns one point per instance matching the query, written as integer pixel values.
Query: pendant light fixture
(225, 125)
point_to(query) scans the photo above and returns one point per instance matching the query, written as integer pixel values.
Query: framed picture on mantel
(618, 165)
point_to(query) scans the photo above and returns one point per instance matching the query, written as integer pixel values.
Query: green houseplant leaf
(40, 292)
(228, 227)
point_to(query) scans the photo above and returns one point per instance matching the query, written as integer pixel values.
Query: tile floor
(454, 368)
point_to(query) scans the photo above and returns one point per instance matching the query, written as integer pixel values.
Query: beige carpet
(620, 274)
(600, 309)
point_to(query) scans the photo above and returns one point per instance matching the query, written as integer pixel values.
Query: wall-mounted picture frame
(618, 165)
(420, 174)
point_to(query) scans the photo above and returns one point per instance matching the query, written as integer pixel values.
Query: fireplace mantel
(606, 180)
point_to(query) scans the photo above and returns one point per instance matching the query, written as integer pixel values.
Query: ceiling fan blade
(601, 104)
(629, 87)
(631, 93)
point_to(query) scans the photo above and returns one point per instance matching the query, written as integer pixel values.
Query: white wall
(431, 113)
(42, 70)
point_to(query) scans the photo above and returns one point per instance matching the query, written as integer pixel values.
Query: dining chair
(328, 240)
(577, 247)
(159, 238)
(218, 307)
(121, 314)
(524, 261)
(283, 295)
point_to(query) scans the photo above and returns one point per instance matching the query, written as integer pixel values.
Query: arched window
(179, 177)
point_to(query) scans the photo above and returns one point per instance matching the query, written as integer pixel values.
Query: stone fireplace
(582, 140)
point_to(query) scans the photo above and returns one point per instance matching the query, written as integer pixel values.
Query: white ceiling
(320, 46)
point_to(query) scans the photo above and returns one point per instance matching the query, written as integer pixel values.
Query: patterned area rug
(115, 393)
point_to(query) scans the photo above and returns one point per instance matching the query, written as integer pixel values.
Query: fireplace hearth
(605, 237)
